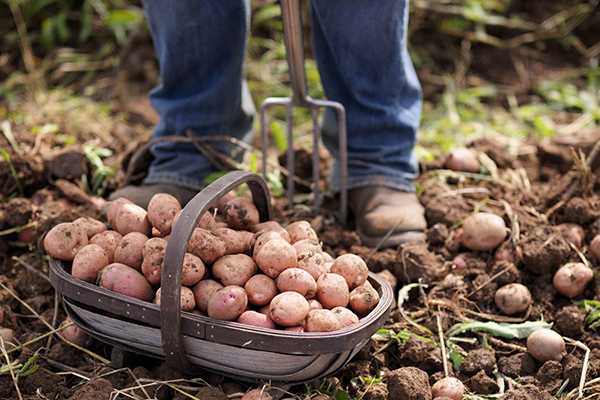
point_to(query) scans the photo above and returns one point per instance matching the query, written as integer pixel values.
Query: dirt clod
(409, 383)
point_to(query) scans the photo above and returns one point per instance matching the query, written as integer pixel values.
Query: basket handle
(170, 312)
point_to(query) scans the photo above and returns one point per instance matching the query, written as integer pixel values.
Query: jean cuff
(174, 179)
(385, 181)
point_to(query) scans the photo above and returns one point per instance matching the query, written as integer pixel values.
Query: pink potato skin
(90, 260)
(75, 334)
(255, 318)
(241, 214)
(345, 316)
(261, 238)
(332, 291)
(313, 263)
(260, 289)
(234, 269)
(276, 256)
(154, 256)
(363, 299)
(129, 251)
(125, 280)
(228, 303)
(301, 230)
(206, 245)
(187, 302)
(352, 268)
(322, 321)
(162, 209)
(192, 270)
(132, 218)
(108, 240)
(572, 279)
(235, 241)
(203, 291)
(65, 240)
(112, 209)
(288, 309)
(91, 226)
(308, 245)
(297, 280)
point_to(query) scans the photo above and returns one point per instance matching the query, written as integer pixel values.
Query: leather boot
(378, 210)
(142, 194)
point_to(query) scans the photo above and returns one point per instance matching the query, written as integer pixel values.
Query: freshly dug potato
(235, 241)
(261, 238)
(332, 291)
(203, 291)
(240, 213)
(207, 221)
(154, 256)
(308, 245)
(129, 251)
(288, 309)
(187, 302)
(267, 225)
(91, 226)
(255, 318)
(234, 269)
(260, 289)
(7, 334)
(449, 387)
(546, 344)
(322, 321)
(125, 280)
(300, 230)
(506, 252)
(572, 279)
(313, 263)
(297, 280)
(345, 316)
(483, 231)
(363, 299)
(109, 241)
(65, 240)
(298, 328)
(462, 160)
(132, 218)
(88, 262)
(276, 256)
(227, 303)
(113, 207)
(352, 268)
(573, 233)
(595, 247)
(314, 305)
(513, 298)
(162, 210)
(220, 204)
(192, 270)
(257, 394)
(206, 245)
(74, 334)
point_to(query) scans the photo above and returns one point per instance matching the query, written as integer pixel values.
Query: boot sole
(392, 241)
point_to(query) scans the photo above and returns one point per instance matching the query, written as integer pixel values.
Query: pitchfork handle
(294, 45)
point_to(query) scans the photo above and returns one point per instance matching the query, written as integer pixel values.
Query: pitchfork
(294, 45)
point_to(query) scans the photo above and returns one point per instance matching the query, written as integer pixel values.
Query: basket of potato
(244, 297)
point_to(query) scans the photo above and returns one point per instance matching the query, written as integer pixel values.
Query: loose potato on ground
(483, 231)
(462, 160)
(352, 268)
(91, 226)
(571, 232)
(192, 270)
(276, 256)
(345, 316)
(227, 303)
(322, 321)
(132, 218)
(363, 299)
(260, 289)
(109, 241)
(125, 280)
(88, 262)
(257, 394)
(154, 256)
(513, 298)
(313, 263)
(206, 245)
(113, 207)
(65, 240)
(449, 387)
(288, 309)
(595, 247)
(241, 213)
(203, 291)
(301, 230)
(129, 251)
(308, 245)
(234, 269)
(572, 279)
(297, 280)
(74, 334)
(545, 345)
(332, 291)
(255, 318)
(162, 210)
(187, 302)
(235, 241)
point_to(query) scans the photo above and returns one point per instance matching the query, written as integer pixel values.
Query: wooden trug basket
(190, 343)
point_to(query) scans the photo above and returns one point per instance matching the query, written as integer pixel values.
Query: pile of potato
(259, 274)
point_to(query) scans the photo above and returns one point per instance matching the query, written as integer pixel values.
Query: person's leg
(361, 51)
(200, 47)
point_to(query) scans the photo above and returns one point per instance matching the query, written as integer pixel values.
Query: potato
(449, 387)
(288, 309)
(345, 316)
(187, 302)
(192, 270)
(234, 269)
(322, 321)
(483, 231)
(257, 394)
(352, 268)
(297, 280)
(91, 226)
(109, 241)
(314, 305)
(125, 280)
(267, 225)
(363, 299)
(571, 232)
(513, 298)
(206, 221)
(313, 263)
(332, 291)
(255, 318)
(220, 204)
(545, 344)
(260, 289)
(240, 213)
(506, 252)
(595, 247)
(203, 291)
(235, 241)
(206, 245)
(261, 238)
(462, 160)
(154, 256)
(132, 218)
(65, 240)
(113, 207)
(162, 209)
(301, 230)
(7, 334)
(308, 245)
(572, 279)
(298, 328)
(74, 334)
(129, 251)
(227, 303)
(88, 262)
(276, 256)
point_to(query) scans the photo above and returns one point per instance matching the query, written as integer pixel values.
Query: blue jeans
(360, 47)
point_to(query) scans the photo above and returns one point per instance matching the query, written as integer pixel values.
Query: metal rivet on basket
(127, 304)
(144, 308)
(169, 275)
(197, 332)
(78, 293)
(128, 312)
(99, 299)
